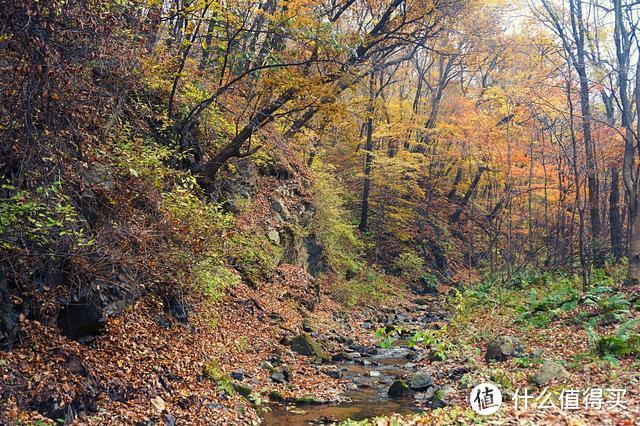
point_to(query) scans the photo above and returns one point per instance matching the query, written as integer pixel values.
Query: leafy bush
(39, 219)
(409, 264)
(435, 341)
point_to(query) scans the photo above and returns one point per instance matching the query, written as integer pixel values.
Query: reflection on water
(364, 403)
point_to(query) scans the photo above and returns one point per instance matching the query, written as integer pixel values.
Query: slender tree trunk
(368, 162)
(615, 225)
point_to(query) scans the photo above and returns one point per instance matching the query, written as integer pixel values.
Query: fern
(592, 335)
(625, 329)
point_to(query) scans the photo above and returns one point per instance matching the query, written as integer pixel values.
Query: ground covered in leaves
(589, 332)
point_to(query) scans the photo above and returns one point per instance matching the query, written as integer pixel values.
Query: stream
(370, 377)
(370, 399)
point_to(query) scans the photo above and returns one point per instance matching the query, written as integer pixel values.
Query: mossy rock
(306, 345)
(274, 395)
(243, 390)
(398, 389)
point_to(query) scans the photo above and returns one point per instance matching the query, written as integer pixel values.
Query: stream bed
(370, 399)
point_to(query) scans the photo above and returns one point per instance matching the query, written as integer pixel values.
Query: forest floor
(220, 367)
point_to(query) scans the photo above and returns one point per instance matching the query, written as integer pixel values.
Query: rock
(278, 377)
(334, 374)
(306, 326)
(158, 404)
(398, 389)
(316, 262)
(305, 345)
(536, 353)
(441, 397)
(374, 373)
(169, 420)
(458, 372)
(352, 356)
(278, 206)
(82, 320)
(238, 374)
(244, 390)
(423, 301)
(427, 395)
(9, 317)
(268, 366)
(273, 236)
(276, 396)
(286, 372)
(339, 357)
(421, 381)
(550, 370)
(503, 347)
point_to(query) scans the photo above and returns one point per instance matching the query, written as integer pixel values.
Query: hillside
(294, 212)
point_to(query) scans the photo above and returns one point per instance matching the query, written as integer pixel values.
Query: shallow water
(367, 401)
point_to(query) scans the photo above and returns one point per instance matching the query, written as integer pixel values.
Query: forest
(340, 212)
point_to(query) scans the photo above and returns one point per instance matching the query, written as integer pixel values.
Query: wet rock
(334, 374)
(350, 356)
(306, 345)
(421, 381)
(399, 388)
(238, 374)
(549, 371)
(503, 347)
(82, 320)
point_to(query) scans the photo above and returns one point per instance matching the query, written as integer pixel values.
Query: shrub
(409, 264)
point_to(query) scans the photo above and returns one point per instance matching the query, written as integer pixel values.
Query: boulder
(306, 345)
(549, 371)
(503, 347)
(399, 388)
(421, 381)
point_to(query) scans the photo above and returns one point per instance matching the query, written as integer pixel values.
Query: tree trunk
(366, 188)
(455, 217)
(615, 224)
